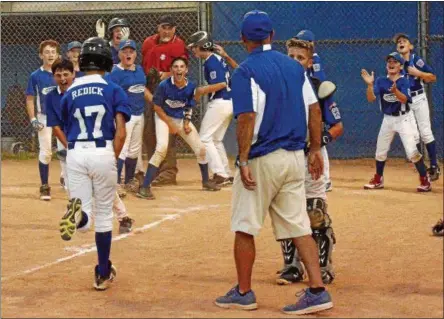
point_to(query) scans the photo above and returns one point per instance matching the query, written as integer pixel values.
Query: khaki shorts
(280, 191)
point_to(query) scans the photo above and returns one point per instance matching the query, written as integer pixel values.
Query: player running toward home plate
(94, 112)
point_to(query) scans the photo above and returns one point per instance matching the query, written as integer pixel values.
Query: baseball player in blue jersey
(315, 191)
(118, 30)
(64, 73)
(418, 71)
(219, 109)
(317, 71)
(173, 99)
(393, 94)
(40, 83)
(72, 54)
(131, 78)
(94, 113)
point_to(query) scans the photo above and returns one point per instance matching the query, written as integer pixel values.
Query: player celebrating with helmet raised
(118, 30)
(219, 109)
(393, 93)
(40, 83)
(173, 97)
(94, 113)
(417, 71)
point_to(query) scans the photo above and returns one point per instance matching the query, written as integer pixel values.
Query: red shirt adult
(160, 55)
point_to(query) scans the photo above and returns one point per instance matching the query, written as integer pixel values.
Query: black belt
(398, 113)
(99, 143)
(415, 93)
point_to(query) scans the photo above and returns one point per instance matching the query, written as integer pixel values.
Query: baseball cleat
(221, 181)
(145, 192)
(210, 186)
(309, 303)
(377, 182)
(233, 299)
(425, 186)
(161, 180)
(72, 218)
(140, 176)
(434, 172)
(45, 192)
(121, 190)
(290, 275)
(328, 187)
(103, 283)
(438, 229)
(132, 186)
(126, 225)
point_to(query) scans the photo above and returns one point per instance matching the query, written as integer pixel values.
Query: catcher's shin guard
(293, 270)
(323, 235)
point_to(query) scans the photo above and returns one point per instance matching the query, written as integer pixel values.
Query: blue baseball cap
(398, 36)
(74, 44)
(127, 44)
(256, 25)
(305, 35)
(396, 56)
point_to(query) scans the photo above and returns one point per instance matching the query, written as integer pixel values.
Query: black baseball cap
(166, 20)
(397, 36)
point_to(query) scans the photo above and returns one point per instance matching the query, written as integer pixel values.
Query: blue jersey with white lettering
(40, 83)
(330, 111)
(133, 83)
(270, 84)
(389, 103)
(416, 61)
(174, 100)
(216, 71)
(53, 109)
(89, 108)
(317, 70)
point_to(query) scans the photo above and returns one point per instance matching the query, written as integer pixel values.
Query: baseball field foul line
(92, 247)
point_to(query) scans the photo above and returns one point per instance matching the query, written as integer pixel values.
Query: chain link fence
(349, 37)
(32, 22)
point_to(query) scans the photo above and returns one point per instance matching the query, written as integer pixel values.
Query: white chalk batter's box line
(88, 248)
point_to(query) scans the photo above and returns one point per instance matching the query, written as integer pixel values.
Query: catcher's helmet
(95, 54)
(117, 22)
(200, 39)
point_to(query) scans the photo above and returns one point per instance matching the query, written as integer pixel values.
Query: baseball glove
(152, 80)
(438, 229)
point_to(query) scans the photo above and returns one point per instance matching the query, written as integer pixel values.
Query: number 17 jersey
(89, 108)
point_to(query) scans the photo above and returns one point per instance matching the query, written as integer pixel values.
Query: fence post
(423, 33)
(204, 25)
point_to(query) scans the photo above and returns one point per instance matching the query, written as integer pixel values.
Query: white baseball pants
(45, 140)
(133, 141)
(326, 163)
(162, 136)
(314, 188)
(212, 131)
(92, 175)
(402, 125)
(421, 118)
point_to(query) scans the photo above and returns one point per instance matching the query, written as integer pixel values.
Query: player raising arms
(173, 98)
(219, 109)
(393, 94)
(315, 190)
(131, 78)
(94, 113)
(118, 30)
(40, 83)
(417, 71)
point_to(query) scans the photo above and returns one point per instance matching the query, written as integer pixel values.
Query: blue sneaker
(309, 303)
(233, 299)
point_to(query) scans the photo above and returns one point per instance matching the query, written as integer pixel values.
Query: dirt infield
(180, 258)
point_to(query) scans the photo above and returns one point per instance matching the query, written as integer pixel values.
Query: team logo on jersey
(175, 104)
(213, 75)
(138, 88)
(47, 90)
(162, 57)
(420, 63)
(316, 67)
(391, 98)
(335, 111)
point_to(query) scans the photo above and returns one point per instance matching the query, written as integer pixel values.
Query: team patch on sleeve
(335, 111)
(213, 75)
(316, 67)
(420, 63)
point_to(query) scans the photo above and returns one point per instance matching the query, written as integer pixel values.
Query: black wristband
(326, 138)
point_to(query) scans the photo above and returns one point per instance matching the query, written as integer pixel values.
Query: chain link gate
(29, 23)
(349, 36)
